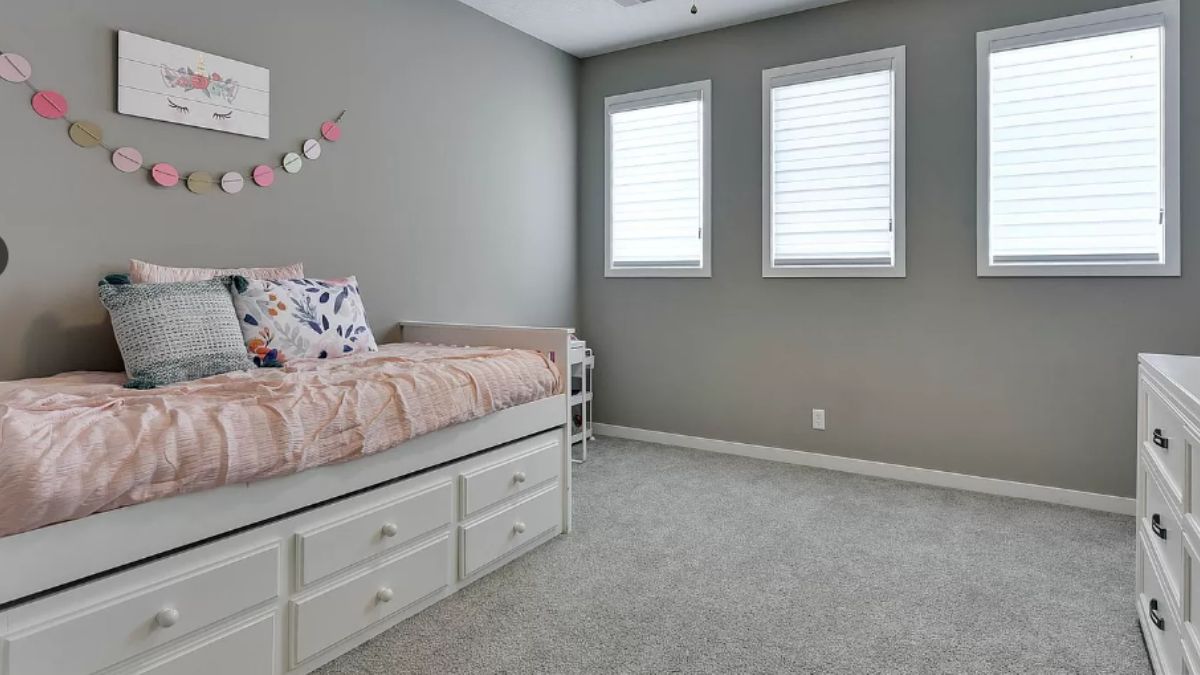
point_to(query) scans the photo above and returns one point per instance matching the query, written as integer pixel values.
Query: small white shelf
(581, 362)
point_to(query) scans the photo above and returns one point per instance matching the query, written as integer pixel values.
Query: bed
(114, 492)
(79, 443)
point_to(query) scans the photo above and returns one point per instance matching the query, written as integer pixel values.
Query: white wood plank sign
(167, 82)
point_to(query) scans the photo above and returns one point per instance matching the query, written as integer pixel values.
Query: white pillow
(141, 272)
(301, 318)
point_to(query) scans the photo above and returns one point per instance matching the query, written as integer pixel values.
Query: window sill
(855, 272)
(658, 273)
(1169, 269)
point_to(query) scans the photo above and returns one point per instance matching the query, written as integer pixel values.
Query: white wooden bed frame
(56, 561)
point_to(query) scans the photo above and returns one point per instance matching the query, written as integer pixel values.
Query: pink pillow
(141, 272)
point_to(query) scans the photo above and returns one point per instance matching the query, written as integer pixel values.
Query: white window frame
(644, 99)
(1164, 14)
(840, 66)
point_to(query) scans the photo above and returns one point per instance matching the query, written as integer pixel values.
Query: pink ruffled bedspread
(78, 443)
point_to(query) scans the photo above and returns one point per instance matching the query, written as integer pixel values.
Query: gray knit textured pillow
(174, 332)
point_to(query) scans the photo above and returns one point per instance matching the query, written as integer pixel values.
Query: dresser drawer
(492, 537)
(1165, 535)
(246, 650)
(333, 546)
(492, 484)
(332, 615)
(1191, 610)
(1159, 623)
(127, 626)
(1166, 442)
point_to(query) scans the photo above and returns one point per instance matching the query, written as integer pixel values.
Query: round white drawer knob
(519, 527)
(519, 476)
(167, 617)
(390, 529)
(385, 594)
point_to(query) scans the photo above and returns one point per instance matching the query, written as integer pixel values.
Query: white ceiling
(590, 27)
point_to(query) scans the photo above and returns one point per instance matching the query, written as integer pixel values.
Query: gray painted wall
(1024, 379)
(451, 194)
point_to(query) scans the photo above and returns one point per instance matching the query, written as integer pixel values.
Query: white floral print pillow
(301, 318)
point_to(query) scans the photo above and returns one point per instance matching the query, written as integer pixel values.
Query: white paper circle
(14, 68)
(312, 149)
(292, 163)
(233, 182)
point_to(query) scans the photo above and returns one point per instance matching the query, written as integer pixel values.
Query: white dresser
(1168, 511)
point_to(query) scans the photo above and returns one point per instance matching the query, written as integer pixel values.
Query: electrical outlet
(818, 419)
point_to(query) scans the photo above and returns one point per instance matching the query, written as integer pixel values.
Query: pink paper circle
(14, 68)
(264, 176)
(50, 104)
(127, 160)
(331, 131)
(164, 174)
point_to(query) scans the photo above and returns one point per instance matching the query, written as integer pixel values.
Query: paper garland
(53, 106)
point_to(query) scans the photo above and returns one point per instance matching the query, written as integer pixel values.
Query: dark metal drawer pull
(1159, 622)
(1156, 525)
(1160, 440)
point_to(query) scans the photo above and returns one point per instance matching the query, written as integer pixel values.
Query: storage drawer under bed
(332, 546)
(525, 470)
(121, 628)
(491, 537)
(323, 619)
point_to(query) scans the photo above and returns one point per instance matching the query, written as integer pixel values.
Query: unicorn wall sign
(167, 82)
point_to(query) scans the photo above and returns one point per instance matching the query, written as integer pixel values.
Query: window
(1078, 145)
(833, 167)
(657, 183)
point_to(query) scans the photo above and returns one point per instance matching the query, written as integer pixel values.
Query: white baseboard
(912, 474)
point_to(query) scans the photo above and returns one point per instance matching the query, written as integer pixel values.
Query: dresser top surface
(1182, 371)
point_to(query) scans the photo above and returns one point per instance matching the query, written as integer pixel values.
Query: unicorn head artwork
(198, 79)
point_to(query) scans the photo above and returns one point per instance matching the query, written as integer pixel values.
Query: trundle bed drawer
(493, 536)
(330, 616)
(334, 546)
(1165, 637)
(246, 650)
(1166, 442)
(492, 484)
(124, 627)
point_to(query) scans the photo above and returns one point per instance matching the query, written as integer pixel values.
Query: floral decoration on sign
(212, 86)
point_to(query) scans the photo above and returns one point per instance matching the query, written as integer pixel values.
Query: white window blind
(832, 154)
(657, 181)
(1076, 150)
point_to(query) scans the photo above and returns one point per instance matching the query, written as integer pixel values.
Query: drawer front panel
(331, 547)
(492, 484)
(373, 596)
(1166, 442)
(1191, 629)
(490, 538)
(249, 650)
(1165, 634)
(97, 638)
(1165, 535)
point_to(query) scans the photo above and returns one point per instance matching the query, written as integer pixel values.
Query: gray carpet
(691, 562)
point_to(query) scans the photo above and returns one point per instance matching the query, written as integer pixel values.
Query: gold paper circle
(85, 134)
(199, 182)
